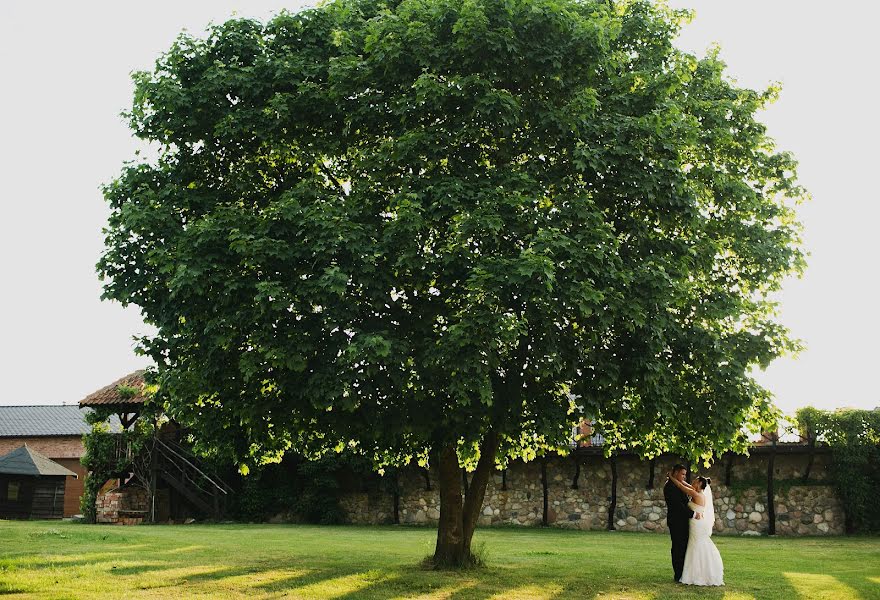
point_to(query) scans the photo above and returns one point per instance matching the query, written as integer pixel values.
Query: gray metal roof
(27, 461)
(46, 420)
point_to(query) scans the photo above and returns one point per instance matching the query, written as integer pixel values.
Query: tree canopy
(408, 226)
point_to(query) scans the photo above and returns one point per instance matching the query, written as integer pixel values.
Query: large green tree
(447, 230)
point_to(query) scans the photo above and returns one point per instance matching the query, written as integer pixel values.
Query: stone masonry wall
(739, 508)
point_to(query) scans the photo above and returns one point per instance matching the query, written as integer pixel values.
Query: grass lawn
(42, 559)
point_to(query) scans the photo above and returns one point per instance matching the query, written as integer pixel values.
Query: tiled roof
(109, 395)
(46, 420)
(27, 461)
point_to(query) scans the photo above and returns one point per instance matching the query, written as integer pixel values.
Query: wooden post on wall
(612, 507)
(771, 503)
(504, 479)
(396, 484)
(811, 441)
(652, 464)
(577, 473)
(544, 517)
(427, 475)
(728, 469)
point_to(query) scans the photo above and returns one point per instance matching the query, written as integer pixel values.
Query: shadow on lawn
(281, 579)
(365, 577)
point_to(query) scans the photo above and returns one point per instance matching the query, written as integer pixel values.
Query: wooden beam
(613, 504)
(544, 516)
(396, 483)
(771, 501)
(728, 469)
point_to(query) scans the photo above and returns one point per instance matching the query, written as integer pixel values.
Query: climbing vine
(110, 454)
(854, 438)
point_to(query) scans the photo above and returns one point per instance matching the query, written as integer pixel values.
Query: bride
(702, 562)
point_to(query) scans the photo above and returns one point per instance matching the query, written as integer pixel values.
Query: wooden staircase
(184, 472)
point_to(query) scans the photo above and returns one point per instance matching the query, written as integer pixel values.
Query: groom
(677, 517)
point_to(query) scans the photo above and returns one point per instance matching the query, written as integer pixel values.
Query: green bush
(308, 489)
(854, 438)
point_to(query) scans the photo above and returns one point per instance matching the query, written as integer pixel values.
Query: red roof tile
(109, 395)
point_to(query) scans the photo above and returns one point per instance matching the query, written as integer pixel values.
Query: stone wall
(740, 508)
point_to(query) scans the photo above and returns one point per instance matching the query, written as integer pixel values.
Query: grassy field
(65, 560)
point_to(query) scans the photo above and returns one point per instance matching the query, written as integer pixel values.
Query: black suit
(678, 517)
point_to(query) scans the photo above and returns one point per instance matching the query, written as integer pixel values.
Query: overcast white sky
(64, 78)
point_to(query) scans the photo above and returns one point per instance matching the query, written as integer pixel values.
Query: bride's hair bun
(704, 480)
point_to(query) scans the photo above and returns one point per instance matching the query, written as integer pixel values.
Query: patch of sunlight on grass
(183, 549)
(874, 579)
(823, 587)
(338, 586)
(529, 592)
(178, 575)
(442, 593)
(44, 560)
(625, 594)
(737, 596)
(263, 578)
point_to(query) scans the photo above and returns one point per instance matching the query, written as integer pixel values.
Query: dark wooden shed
(31, 485)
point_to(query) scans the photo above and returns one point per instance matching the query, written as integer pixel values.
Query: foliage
(127, 391)
(308, 489)
(256, 498)
(444, 217)
(854, 438)
(316, 495)
(781, 487)
(424, 227)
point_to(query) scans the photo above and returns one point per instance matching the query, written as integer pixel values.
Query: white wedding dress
(702, 562)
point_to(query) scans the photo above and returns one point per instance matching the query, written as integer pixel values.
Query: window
(12, 491)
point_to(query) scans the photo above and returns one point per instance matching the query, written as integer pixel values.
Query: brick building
(55, 432)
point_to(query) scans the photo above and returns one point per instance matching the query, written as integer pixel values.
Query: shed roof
(109, 394)
(27, 461)
(46, 420)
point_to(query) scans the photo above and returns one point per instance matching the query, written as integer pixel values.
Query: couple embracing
(690, 517)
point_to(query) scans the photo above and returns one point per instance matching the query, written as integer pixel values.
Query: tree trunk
(450, 531)
(458, 516)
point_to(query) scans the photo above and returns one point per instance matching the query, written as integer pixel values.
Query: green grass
(41, 559)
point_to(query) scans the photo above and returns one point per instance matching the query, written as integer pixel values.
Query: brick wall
(66, 451)
(68, 446)
(126, 506)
